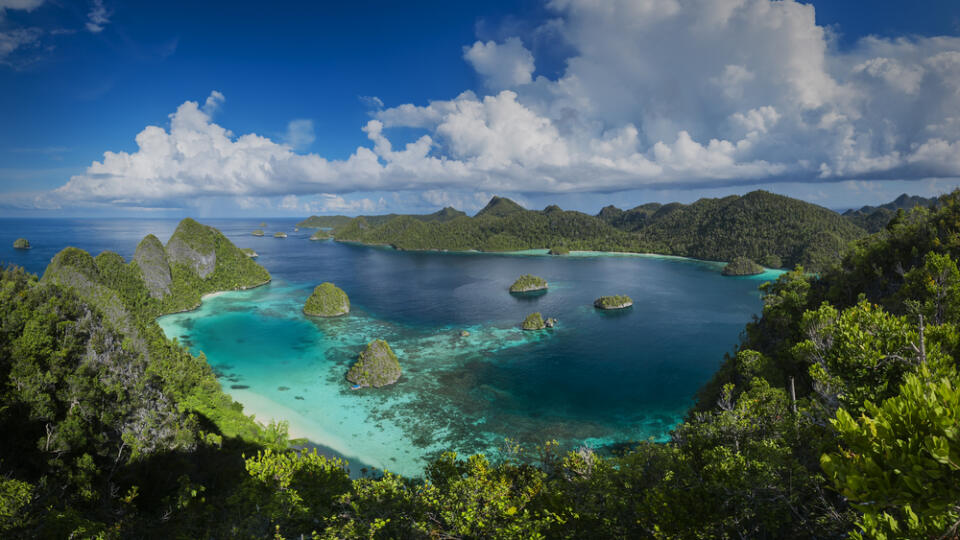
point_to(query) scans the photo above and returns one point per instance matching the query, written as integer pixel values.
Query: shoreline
(541, 252)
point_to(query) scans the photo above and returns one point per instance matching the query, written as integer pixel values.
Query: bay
(598, 378)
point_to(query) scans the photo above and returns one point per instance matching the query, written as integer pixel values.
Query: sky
(246, 109)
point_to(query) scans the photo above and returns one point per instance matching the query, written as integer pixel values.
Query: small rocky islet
(21, 243)
(376, 366)
(619, 301)
(327, 300)
(742, 266)
(279, 235)
(535, 321)
(528, 283)
(258, 232)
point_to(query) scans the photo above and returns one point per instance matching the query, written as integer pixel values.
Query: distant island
(619, 301)
(320, 234)
(327, 300)
(21, 243)
(257, 232)
(742, 266)
(377, 366)
(279, 235)
(535, 321)
(528, 283)
(759, 225)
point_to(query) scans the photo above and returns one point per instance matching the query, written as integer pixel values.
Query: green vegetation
(327, 300)
(835, 417)
(279, 234)
(876, 218)
(771, 261)
(559, 250)
(528, 283)
(21, 243)
(377, 366)
(249, 252)
(320, 234)
(534, 321)
(334, 222)
(758, 225)
(258, 232)
(619, 301)
(742, 266)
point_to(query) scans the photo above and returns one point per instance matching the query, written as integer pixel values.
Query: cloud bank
(658, 93)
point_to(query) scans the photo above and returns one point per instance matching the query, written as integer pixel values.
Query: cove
(598, 378)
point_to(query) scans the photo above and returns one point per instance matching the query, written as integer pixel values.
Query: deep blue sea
(598, 378)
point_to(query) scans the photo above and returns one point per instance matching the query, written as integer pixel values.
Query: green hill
(755, 225)
(875, 218)
(333, 222)
(759, 226)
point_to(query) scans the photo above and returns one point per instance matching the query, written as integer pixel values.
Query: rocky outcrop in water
(377, 366)
(619, 301)
(528, 283)
(21, 243)
(327, 300)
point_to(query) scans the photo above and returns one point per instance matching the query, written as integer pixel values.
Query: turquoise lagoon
(598, 378)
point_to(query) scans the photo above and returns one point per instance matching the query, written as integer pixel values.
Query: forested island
(742, 266)
(376, 366)
(528, 283)
(619, 301)
(327, 300)
(772, 230)
(21, 243)
(836, 415)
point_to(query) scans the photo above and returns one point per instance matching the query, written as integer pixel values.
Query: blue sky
(309, 108)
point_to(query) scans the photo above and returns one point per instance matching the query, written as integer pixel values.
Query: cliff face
(194, 246)
(151, 258)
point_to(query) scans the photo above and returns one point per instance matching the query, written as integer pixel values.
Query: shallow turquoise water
(598, 378)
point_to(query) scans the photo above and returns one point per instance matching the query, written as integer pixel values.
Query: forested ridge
(760, 226)
(837, 416)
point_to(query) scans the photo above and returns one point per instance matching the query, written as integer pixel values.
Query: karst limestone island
(619, 301)
(197, 260)
(258, 232)
(377, 366)
(21, 243)
(742, 266)
(327, 300)
(535, 321)
(528, 283)
(279, 234)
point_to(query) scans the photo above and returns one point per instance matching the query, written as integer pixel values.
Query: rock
(742, 266)
(279, 235)
(327, 300)
(249, 252)
(151, 258)
(534, 321)
(193, 245)
(528, 283)
(377, 366)
(619, 301)
(21, 243)
(464, 333)
(257, 232)
(550, 323)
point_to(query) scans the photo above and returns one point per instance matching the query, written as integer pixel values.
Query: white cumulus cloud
(655, 94)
